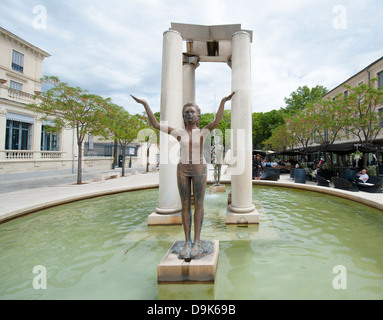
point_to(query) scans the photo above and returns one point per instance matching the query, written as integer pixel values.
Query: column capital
(191, 59)
(173, 31)
(242, 32)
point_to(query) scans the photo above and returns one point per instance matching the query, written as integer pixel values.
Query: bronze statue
(191, 168)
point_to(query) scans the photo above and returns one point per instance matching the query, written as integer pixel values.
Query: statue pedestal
(202, 270)
(156, 219)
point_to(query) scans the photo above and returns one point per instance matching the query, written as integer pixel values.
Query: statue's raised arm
(214, 124)
(152, 119)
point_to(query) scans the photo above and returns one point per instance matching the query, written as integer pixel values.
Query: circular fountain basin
(306, 246)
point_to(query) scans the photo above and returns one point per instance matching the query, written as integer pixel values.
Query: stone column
(169, 207)
(241, 209)
(36, 140)
(190, 63)
(3, 124)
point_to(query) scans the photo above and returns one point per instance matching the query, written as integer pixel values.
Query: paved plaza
(29, 192)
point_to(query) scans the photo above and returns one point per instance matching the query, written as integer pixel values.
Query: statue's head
(197, 110)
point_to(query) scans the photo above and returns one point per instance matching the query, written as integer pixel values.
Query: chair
(373, 185)
(274, 170)
(270, 175)
(343, 184)
(299, 175)
(322, 181)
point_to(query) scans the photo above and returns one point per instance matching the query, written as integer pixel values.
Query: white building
(25, 143)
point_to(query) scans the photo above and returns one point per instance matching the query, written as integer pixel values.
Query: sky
(114, 48)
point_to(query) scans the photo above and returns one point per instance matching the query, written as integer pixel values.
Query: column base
(157, 219)
(242, 216)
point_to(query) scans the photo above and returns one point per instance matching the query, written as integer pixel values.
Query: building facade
(372, 71)
(26, 144)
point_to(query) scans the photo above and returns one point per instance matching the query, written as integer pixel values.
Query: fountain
(102, 248)
(288, 244)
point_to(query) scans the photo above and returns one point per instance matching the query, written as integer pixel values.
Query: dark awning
(341, 148)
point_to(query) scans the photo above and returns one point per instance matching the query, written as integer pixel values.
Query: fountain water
(102, 248)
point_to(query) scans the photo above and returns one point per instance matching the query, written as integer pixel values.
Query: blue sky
(114, 48)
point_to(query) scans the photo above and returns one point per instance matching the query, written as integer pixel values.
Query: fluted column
(169, 207)
(241, 209)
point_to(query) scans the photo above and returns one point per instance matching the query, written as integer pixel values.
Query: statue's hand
(228, 98)
(138, 100)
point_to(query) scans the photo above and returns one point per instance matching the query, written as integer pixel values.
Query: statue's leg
(184, 187)
(199, 183)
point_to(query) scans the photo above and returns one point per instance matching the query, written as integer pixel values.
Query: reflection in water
(103, 249)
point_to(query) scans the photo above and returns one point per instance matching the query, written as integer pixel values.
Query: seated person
(362, 176)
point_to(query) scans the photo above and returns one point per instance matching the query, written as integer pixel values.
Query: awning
(340, 148)
(20, 118)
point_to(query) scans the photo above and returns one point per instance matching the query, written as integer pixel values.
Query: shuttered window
(17, 61)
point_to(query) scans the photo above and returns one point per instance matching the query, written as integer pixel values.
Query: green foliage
(361, 108)
(122, 126)
(324, 121)
(299, 99)
(71, 107)
(263, 126)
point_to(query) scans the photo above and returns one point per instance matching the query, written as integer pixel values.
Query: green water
(103, 249)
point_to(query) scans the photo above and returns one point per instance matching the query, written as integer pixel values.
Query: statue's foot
(195, 251)
(185, 252)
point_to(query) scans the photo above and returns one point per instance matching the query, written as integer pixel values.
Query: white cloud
(114, 48)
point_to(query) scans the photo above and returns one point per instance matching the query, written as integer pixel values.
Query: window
(380, 79)
(346, 93)
(49, 139)
(17, 61)
(380, 112)
(15, 85)
(17, 135)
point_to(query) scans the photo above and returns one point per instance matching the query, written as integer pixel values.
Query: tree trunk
(123, 160)
(365, 160)
(79, 164)
(147, 158)
(115, 153)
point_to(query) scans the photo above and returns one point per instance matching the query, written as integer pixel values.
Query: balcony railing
(16, 154)
(30, 155)
(20, 96)
(15, 95)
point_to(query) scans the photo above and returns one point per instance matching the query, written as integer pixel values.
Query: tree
(361, 106)
(281, 139)
(302, 97)
(70, 107)
(327, 119)
(122, 126)
(300, 127)
(263, 126)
